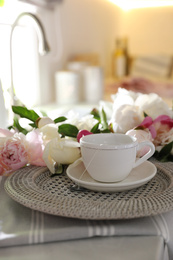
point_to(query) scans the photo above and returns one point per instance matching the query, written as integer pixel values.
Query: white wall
(77, 27)
(149, 30)
(91, 26)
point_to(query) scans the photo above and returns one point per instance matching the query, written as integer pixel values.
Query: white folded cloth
(159, 66)
(23, 226)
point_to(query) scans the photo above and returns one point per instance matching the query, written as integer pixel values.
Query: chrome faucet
(43, 44)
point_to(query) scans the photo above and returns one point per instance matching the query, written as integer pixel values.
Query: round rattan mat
(34, 187)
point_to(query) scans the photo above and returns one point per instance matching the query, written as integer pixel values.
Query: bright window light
(134, 4)
(25, 54)
(11, 9)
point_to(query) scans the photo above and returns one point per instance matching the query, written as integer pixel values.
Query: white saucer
(138, 177)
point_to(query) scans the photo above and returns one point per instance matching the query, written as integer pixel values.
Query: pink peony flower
(35, 148)
(163, 126)
(5, 133)
(13, 154)
(141, 136)
(160, 129)
(147, 123)
(83, 133)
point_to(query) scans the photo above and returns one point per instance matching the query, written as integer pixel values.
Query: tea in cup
(110, 157)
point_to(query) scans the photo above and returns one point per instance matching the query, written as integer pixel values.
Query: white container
(93, 84)
(67, 87)
(79, 67)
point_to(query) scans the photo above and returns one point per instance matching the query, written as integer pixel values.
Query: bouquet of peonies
(54, 143)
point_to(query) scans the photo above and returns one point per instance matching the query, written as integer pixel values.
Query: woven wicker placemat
(34, 187)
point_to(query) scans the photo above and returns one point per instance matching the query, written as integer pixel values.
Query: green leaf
(166, 149)
(60, 119)
(145, 114)
(17, 125)
(33, 125)
(95, 128)
(68, 130)
(165, 153)
(43, 113)
(25, 113)
(103, 118)
(105, 131)
(95, 113)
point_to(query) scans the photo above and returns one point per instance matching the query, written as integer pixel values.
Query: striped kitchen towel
(159, 66)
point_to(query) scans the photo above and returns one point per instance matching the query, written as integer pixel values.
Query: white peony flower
(107, 107)
(164, 138)
(72, 118)
(61, 151)
(87, 122)
(50, 131)
(129, 106)
(124, 97)
(44, 121)
(170, 139)
(152, 105)
(126, 117)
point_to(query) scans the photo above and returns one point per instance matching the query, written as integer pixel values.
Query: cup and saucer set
(109, 163)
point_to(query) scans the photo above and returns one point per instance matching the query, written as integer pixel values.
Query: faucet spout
(43, 44)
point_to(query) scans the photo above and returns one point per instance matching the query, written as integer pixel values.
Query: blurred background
(96, 46)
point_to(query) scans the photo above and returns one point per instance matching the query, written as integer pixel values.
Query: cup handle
(147, 155)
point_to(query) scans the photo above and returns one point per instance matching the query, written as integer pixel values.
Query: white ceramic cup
(110, 157)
